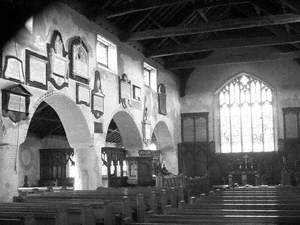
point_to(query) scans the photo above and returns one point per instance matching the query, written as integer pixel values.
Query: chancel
(150, 112)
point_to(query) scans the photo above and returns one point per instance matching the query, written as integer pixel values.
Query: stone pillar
(13, 137)
(8, 172)
(85, 162)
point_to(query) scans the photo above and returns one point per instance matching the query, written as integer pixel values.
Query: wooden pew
(285, 209)
(128, 202)
(61, 213)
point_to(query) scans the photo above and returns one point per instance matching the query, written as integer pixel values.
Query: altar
(244, 172)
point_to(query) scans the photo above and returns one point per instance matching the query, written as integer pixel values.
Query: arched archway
(164, 143)
(76, 131)
(128, 130)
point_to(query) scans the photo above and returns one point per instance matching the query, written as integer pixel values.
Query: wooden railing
(191, 186)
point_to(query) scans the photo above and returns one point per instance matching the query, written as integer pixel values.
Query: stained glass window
(246, 116)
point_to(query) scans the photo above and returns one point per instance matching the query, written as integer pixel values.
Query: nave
(179, 200)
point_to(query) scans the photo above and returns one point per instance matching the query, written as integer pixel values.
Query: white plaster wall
(79, 125)
(282, 75)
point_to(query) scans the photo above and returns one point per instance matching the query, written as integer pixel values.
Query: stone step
(251, 206)
(256, 212)
(246, 201)
(237, 219)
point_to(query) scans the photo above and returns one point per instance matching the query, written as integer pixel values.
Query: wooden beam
(204, 46)
(231, 24)
(146, 6)
(234, 59)
(166, 3)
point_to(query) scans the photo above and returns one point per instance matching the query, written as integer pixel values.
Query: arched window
(246, 116)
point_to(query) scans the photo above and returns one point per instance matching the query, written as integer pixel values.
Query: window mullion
(251, 116)
(262, 118)
(230, 120)
(241, 124)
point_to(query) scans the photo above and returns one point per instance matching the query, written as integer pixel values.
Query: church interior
(127, 112)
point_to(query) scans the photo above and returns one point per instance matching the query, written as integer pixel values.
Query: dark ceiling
(183, 34)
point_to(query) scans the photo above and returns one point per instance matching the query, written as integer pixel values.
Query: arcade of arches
(80, 112)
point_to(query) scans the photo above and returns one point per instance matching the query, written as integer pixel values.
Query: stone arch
(165, 145)
(240, 74)
(129, 132)
(163, 136)
(77, 133)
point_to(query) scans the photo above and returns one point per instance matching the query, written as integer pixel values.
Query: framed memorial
(13, 69)
(125, 90)
(15, 103)
(79, 61)
(97, 96)
(59, 62)
(82, 94)
(136, 93)
(162, 99)
(37, 68)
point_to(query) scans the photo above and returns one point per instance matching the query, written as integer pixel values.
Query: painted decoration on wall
(59, 62)
(13, 69)
(82, 94)
(97, 96)
(79, 61)
(15, 102)
(162, 99)
(125, 90)
(36, 69)
(146, 124)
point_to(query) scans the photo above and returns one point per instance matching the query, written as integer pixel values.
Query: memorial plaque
(136, 93)
(13, 69)
(58, 61)
(59, 66)
(36, 69)
(98, 127)
(82, 94)
(124, 90)
(79, 61)
(17, 103)
(98, 103)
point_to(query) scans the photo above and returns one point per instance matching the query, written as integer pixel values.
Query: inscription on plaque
(98, 103)
(38, 70)
(58, 61)
(82, 94)
(16, 103)
(59, 66)
(13, 69)
(79, 65)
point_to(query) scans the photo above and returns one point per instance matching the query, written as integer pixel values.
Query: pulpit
(140, 170)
